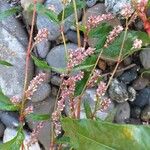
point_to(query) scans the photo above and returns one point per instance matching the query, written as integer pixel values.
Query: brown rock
(102, 64)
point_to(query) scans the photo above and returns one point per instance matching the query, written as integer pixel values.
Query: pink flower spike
(127, 11)
(101, 89)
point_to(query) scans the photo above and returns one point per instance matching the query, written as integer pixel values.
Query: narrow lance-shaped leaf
(15, 143)
(38, 117)
(88, 110)
(5, 63)
(99, 135)
(6, 104)
(69, 10)
(42, 10)
(9, 12)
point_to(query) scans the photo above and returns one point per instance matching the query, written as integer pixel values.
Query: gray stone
(2, 129)
(43, 48)
(122, 112)
(145, 115)
(53, 28)
(132, 94)
(115, 6)
(56, 80)
(72, 37)
(128, 76)
(140, 83)
(54, 91)
(145, 58)
(56, 57)
(44, 107)
(13, 26)
(135, 112)
(43, 91)
(118, 91)
(11, 133)
(12, 49)
(127, 61)
(9, 119)
(91, 3)
(142, 98)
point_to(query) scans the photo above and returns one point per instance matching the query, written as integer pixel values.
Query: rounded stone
(145, 115)
(145, 58)
(56, 57)
(43, 91)
(135, 112)
(91, 3)
(118, 91)
(56, 80)
(122, 112)
(142, 98)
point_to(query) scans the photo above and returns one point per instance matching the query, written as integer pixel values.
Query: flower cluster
(113, 34)
(28, 110)
(105, 104)
(15, 100)
(35, 133)
(75, 57)
(42, 35)
(127, 11)
(67, 91)
(137, 44)
(34, 85)
(101, 89)
(93, 80)
(93, 21)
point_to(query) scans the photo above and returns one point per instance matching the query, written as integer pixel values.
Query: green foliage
(87, 109)
(6, 104)
(69, 10)
(42, 10)
(5, 63)
(38, 117)
(9, 12)
(99, 135)
(15, 143)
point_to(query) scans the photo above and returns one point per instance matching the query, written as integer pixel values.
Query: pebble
(43, 91)
(127, 61)
(122, 113)
(54, 90)
(115, 6)
(43, 48)
(56, 57)
(2, 129)
(128, 76)
(72, 37)
(118, 91)
(145, 115)
(13, 41)
(11, 133)
(132, 94)
(9, 119)
(135, 112)
(142, 98)
(102, 64)
(56, 80)
(144, 57)
(91, 3)
(140, 83)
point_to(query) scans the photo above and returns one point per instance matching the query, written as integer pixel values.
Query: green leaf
(88, 110)
(9, 12)
(99, 135)
(69, 10)
(6, 104)
(5, 63)
(38, 117)
(42, 10)
(63, 140)
(15, 143)
(43, 65)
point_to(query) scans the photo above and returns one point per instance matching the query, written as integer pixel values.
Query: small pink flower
(113, 34)
(101, 89)
(127, 11)
(28, 110)
(137, 44)
(42, 35)
(105, 104)
(15, 100)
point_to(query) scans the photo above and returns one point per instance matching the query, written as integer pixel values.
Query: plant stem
(77, 24)
(119, 57)
(27, 64)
